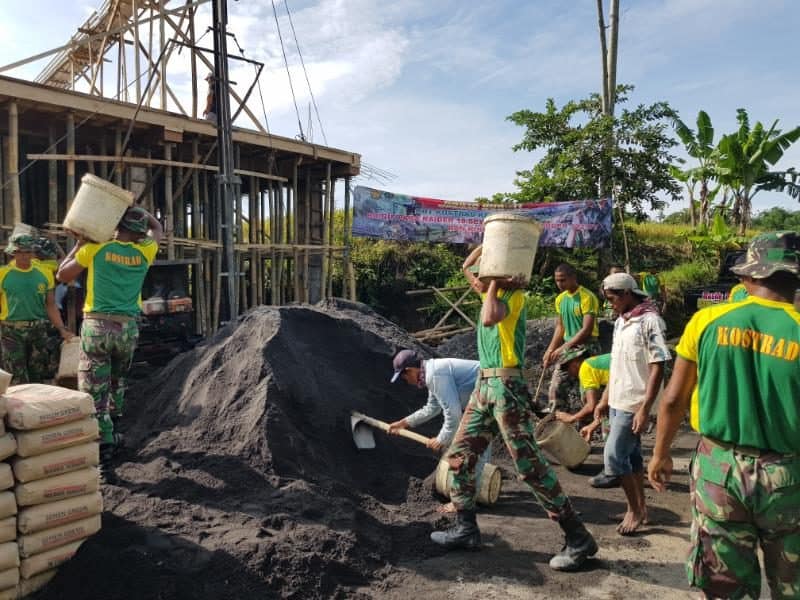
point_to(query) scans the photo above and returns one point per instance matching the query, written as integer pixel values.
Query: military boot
(106, 467)
(464, 534)
(578, 546)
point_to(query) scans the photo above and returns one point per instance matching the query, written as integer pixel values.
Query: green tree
(743, 161)
(700, 146)
(777, 218)
(585, 148)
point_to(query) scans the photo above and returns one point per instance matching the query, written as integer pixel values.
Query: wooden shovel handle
(385, 427)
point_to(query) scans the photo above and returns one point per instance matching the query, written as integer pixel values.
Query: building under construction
(104, 105)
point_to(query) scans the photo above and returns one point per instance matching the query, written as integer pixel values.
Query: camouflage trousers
(105, 357)
(738, 503)
(499, 405)
(562, 393)
(25, 353)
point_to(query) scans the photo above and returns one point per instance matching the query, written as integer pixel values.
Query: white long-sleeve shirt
(450, 382)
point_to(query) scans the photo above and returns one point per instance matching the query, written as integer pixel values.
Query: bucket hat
(21, 242)
(769, 253)
(403, 360)
(135, 219)
(623, 281)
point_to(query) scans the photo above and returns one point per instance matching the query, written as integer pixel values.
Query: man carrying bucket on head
(27, 302)
(501, 403)
(116, 271)
(449, 382)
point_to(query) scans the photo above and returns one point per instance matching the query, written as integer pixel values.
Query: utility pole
(227, 182)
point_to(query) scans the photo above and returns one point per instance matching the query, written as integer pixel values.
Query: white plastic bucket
(97, 208)
(24, 229)
(488, 487)
(509, 246)
(562, 442)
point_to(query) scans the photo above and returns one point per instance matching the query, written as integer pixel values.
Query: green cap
(135, 219)
(21, 242)
(769, 253)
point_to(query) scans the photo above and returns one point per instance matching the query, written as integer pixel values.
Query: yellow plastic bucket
(562, 442)
(97, 208)
(488, 487)
(509, 246)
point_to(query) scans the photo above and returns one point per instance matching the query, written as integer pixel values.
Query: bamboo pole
(52, 177)
(70, 163)
(13, 162)
(347, 262)
(136, 60)
(118, 152)
(168, 206)
(331, 219)
(307, 240)
(273, 228)
(193, 65)
(196, 227)
(296, 226)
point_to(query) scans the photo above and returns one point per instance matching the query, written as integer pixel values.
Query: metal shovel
(362, 425)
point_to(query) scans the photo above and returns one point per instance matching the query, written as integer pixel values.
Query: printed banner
(380, 214)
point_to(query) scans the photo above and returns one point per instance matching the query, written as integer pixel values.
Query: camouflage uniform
(25, 353)
(106, 352)
(738, 501)
(745, 475)
(502, 405)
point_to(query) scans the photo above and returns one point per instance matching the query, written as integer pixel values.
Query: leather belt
(486, 373)
(748, 450)
(108, 317)
(21, 324)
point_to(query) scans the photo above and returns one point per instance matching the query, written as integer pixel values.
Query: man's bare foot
(630, 523)
(446, 508)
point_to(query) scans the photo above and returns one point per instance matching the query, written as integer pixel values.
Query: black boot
(578, 546)
(464, 534)
(106, 468)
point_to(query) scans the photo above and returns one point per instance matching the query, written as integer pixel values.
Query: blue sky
(421, 88)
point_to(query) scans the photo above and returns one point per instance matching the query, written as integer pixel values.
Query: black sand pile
(241, 479)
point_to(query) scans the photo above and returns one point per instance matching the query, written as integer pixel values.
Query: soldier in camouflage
(738, 376)
(48, 253)
(501, 404)
(27, 302)
(115, 273)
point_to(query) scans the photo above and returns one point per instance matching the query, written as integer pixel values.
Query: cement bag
(8, 504)
(8, 445)
(2, 427)
(42, 541)
(39, 441)
(35, 405)
(5, 381)
(45, 561)
(9, 578)
(8, 529)
(6, 476)
(55, 514)
(11, 593)
(9, 556)
(34, 584)
(56, 463)
(75, 483)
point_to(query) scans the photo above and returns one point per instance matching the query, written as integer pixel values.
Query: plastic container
(562, 442)
(509, 246)
(488, 487)
(97, 208)
(68, 361)
(154, 306)
(179, 305)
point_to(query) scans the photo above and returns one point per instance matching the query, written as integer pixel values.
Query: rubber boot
(578, 546)
(464, 534)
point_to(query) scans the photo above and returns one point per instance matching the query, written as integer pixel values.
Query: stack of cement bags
(9, 552)
(58, 502)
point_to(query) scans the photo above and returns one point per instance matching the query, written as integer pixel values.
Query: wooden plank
(140, 160)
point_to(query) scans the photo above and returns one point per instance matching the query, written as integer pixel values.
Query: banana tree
(699, 145)
(743, 160)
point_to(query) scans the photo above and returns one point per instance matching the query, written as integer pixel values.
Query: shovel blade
(362, 434)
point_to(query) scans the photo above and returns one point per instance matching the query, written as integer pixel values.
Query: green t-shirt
(573, 307)
(651, 284)
(748, 373)
(116, 272)
(502, 346)
(24, 292)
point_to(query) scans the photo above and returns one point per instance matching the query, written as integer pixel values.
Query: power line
(286, 62)
(305, 72)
